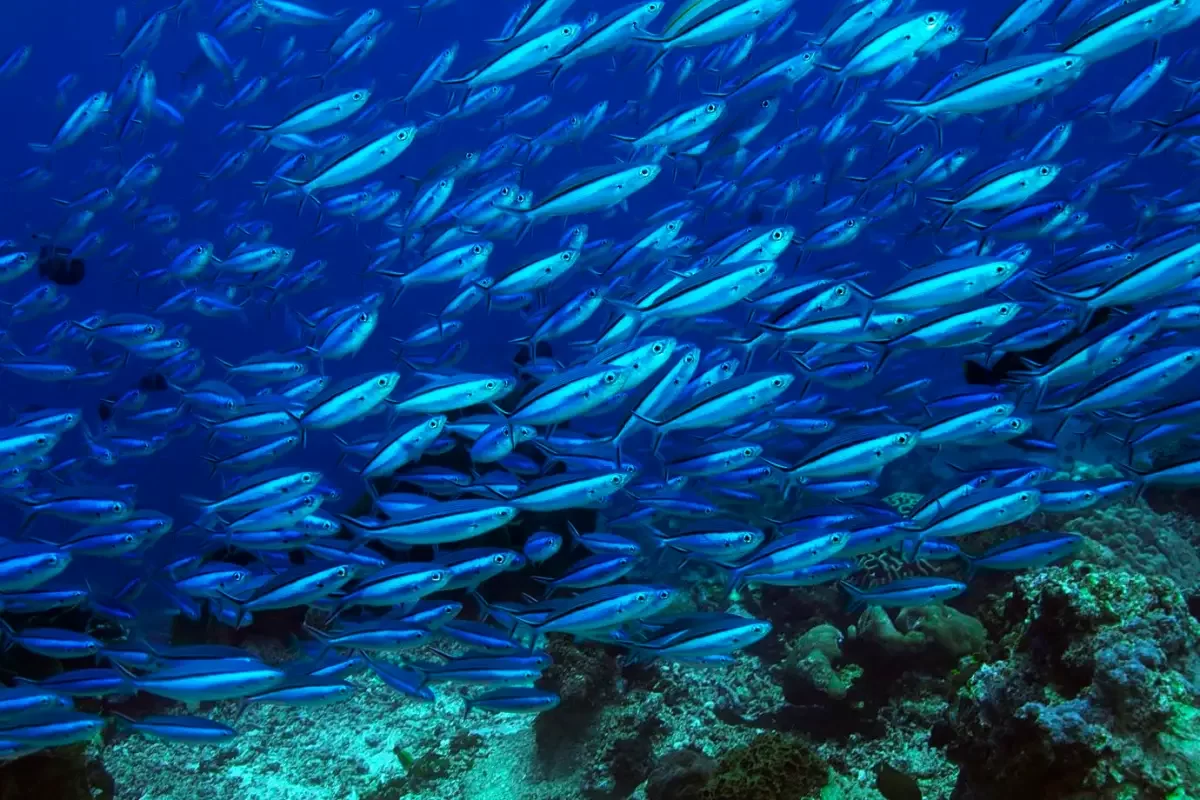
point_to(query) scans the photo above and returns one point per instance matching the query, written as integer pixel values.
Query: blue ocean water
(849, 420)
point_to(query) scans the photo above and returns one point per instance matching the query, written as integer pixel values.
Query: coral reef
(1092, 695)
(1071, 682)
(772, 766)
(62, 773)
(679, 773)
(809, 671)
(1133, 536)
(903, 502)
(586, 678)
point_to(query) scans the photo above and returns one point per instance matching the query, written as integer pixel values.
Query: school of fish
(702, 365)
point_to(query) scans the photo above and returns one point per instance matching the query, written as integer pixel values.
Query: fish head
(646, 173)
(934, 21)
(781, 381)
(646, 14)
(1001, 313)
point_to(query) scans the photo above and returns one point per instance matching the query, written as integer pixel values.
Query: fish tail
(658, 56)
(857, 596)
(734, 581)
(203, 504)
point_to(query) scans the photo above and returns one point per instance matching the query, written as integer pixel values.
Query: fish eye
(657, 348)
(1044, 171)
(490, 385)
(839, 291)
(568, 255)
(616, 480)
(306, 478)
(364, 317)
(643, 172)
(776, 235)
(499, 558)
(401, 136)
(434, 424)
(902, 439)
(436, 577)
(1024, 498)
(748, 453)
(505, 192)
(930, 20)
(777, 382)
(1003, 311)
(711, 108)
(41, 440)
(592, 293)
(747, 538)
(641, 598)
(766, 104)
(22, 258)
(382, 382)
(609, 377)
(297, 368)
(117, 508)
(850, 223)
(664, 594)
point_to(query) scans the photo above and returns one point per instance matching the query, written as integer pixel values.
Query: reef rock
(1092, 695)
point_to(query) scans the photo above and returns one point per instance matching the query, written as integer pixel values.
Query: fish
(904, 593)
(557, 362)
